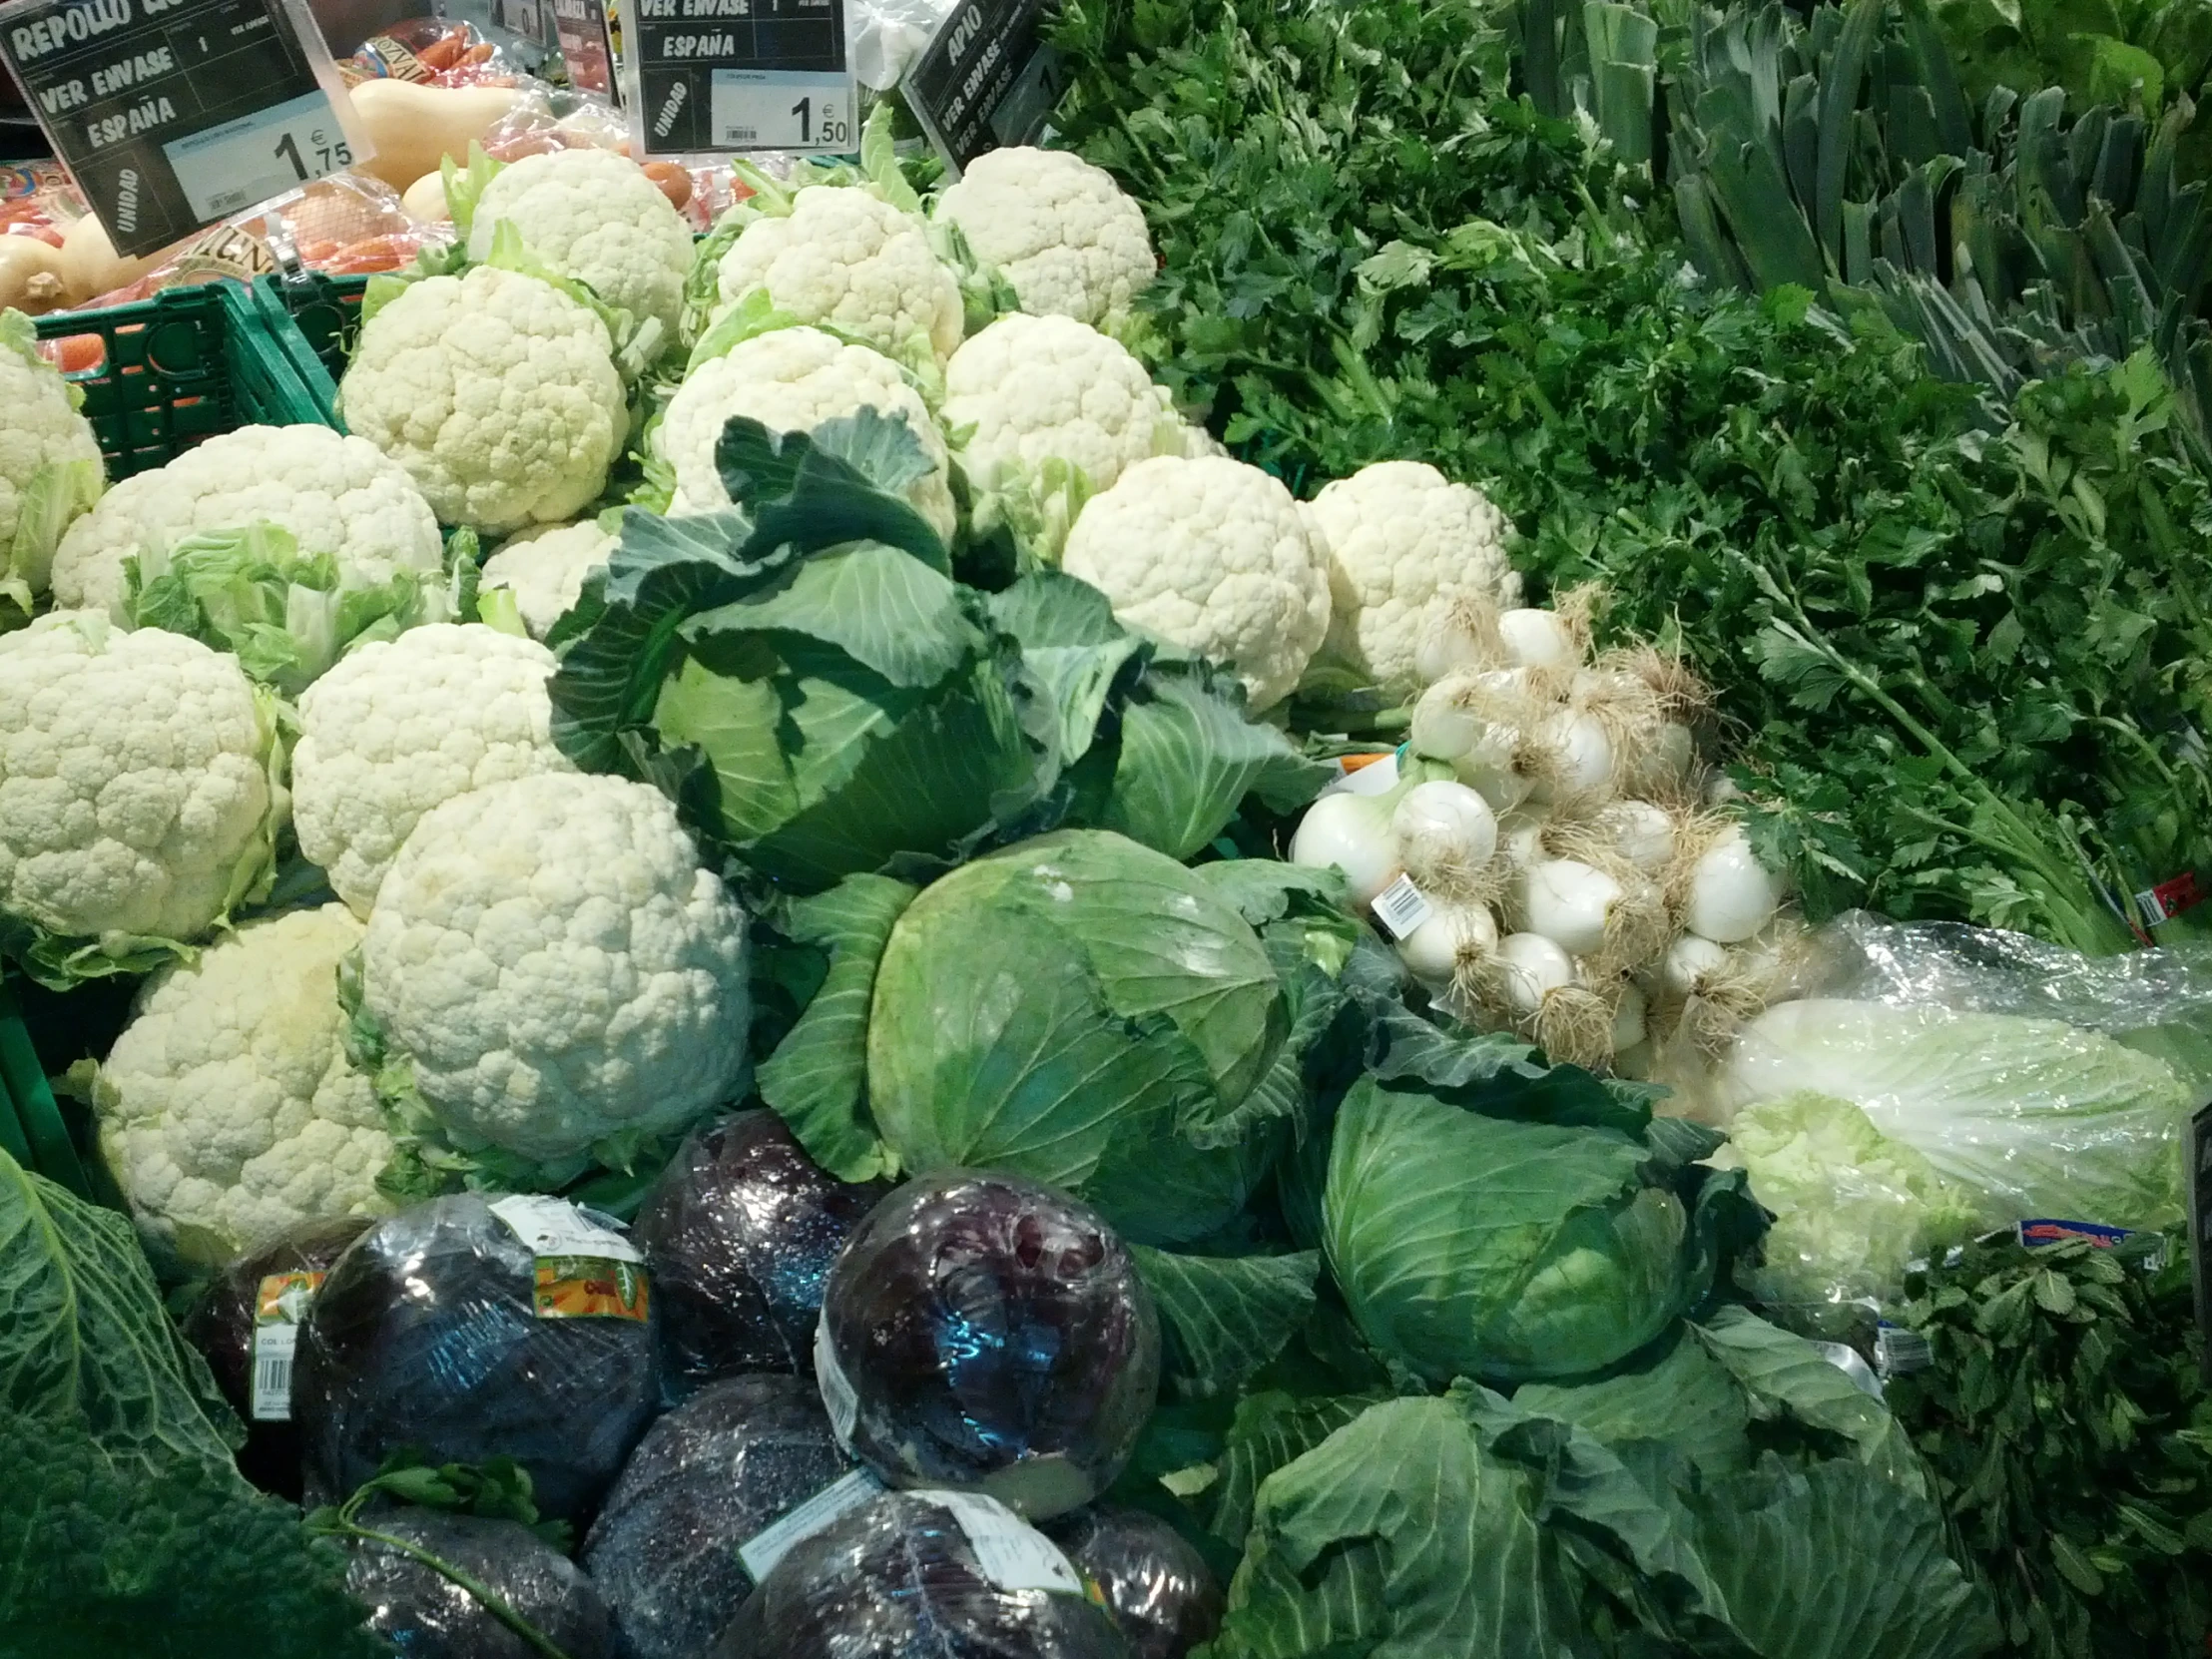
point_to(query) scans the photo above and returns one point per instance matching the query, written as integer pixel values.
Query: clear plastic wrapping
(2155, 1001)
(1153, 1581)
(709, 1476)
(426, 1615)
(222, 1323)
(739, 1234)
(982, 1331)
(443, 1329)
(922, 1575)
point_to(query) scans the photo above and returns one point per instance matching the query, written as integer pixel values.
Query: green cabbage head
(1076, 1008)
(1500, 1248)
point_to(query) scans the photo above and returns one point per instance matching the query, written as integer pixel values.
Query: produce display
(1395, 858)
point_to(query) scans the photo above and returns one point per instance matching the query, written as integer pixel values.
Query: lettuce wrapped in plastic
(1850, 1206)
(2035, 1117)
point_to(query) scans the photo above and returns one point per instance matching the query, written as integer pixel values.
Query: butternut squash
(414, 127)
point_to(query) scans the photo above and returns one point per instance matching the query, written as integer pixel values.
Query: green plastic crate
(325, 312)
(187, 364)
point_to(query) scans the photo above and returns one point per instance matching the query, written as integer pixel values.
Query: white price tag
(1013, 1555)
(1401, 908)
(1371, 776)
(259, 155)
(759, 1553)
(555, 1227)
(782, 108)
(275, 1347)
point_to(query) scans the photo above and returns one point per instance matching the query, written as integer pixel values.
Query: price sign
(580, 26)
(985, 80)
(713, 76)
(173, 114)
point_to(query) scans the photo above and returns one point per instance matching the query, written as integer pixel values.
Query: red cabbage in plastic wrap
(426, 1615)
(427, 1334)
(982, 1331)
(1155, 1583)
(922, 1575)
(739, 1234)
(715, 1472)
(221, 1327)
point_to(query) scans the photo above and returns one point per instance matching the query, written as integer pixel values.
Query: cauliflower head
(336, 494)
(847, 259)
(1042, 389)
(594, 216)
(1403, 543)
(792, 380)
(558, 966)
(138, 782)
(40, 429)
(496, 391)
(403, 725)
(545, 569)
(1212, 555)
(1059, 228)
(227, 1108)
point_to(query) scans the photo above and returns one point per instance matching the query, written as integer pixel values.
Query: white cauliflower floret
(595, 216)
(136, 798)
(336, 494)
(1040, 388)
(847, 259)
(792, 380)
(227, 1109)
(1212, 555)
(496, 391)
(403, 725)
(545, 568)
(1403, 543)
(558, 965)
(40, 429)
(1059, 228)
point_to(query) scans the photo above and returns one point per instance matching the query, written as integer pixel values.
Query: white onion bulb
(1453, 933)
(1534, 967)
(1538, 639)
(1446, 824)
(1353, 833)
(1584, 753)
(1641, 832)
(1628, 1019)
(1570, 904)
(1692, 963)
(1732, 895)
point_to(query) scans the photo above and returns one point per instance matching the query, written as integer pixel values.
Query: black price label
(175, 114)
(2200, 1225)
(715, 76)
(985, 80)
(580, 27)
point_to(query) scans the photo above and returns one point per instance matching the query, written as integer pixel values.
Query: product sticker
(759, 1553)
(590, 1288)
(280, 1304)
(1013, 1555)
(583, 1268)
(1365, 774)
(1898, 1351)
(2169, 898)
(2040, 1232)
(555, 1227)
(1402, 907)
(838, 1398)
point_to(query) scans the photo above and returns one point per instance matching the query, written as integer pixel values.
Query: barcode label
(1401, 908)
(1011, 1553)
(273, 1347)
(742, 135)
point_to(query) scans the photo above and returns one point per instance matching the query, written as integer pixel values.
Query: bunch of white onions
(1549, 854)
